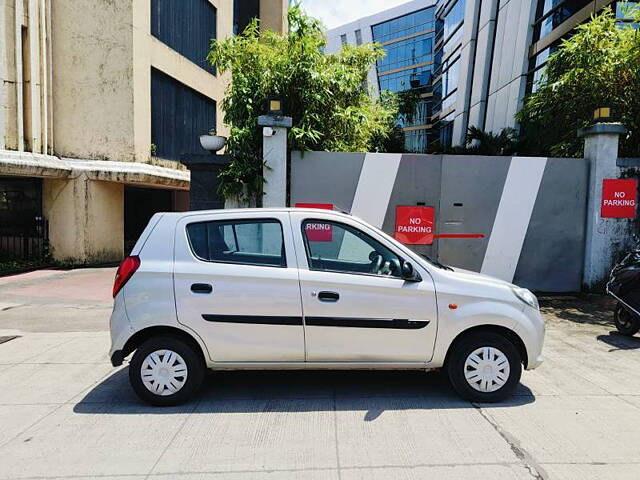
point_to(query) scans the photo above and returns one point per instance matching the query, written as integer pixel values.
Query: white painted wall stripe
(377, 177)
(513, 216)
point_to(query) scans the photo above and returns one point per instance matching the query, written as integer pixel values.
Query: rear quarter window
(246, 242)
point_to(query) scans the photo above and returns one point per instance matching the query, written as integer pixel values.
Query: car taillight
(127, 267)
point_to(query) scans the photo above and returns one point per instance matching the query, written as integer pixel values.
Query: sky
(334, 13)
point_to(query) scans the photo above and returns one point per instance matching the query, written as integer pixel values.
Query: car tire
(166, 371)
(485, 367)
(627, 323)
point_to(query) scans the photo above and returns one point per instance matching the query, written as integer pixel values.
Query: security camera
(268, 132)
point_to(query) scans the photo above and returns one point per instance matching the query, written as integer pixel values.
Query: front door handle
(201, 288)
(328, 296)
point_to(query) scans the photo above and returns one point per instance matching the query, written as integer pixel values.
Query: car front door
(236, 285)
(357, 307)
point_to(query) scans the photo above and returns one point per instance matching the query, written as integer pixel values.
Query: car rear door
(236, 285)
(356, 307)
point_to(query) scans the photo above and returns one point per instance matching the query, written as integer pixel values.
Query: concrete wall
(531, 211)
(273, 15)
(104, 53)
(90, 219)
(25, 69)
(93, 79)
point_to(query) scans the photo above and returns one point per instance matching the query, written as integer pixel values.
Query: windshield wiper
(435, 262)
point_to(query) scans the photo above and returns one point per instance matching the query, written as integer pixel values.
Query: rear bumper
(121, 330)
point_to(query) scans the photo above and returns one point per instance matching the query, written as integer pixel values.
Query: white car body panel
(240, 290)
(159, 295)
(366, 297)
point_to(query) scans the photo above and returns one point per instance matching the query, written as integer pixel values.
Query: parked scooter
(624, 286)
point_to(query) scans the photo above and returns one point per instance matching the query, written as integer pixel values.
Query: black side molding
(255, 319)
(395, 323)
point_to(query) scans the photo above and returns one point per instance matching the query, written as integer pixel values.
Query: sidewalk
(66, 413)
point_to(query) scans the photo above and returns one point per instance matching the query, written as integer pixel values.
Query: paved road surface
(66, 413)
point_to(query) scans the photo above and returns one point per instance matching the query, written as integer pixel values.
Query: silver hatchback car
(309, 289)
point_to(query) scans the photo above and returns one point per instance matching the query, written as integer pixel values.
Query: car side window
(337, 247)
(248, 242)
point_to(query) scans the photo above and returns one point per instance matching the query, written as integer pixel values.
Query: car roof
(252, 210)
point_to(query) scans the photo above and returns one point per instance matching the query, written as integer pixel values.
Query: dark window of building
(552, 13)
(343, 39)
(179, 115)
(20, 204)
(187, 26)
(358, 37)
(244, 11)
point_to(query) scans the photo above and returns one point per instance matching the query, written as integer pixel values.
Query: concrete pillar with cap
(603, 235)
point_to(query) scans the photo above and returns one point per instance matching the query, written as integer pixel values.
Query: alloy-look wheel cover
(486, 369)
(163, 372)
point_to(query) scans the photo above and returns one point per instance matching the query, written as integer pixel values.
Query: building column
(86, 219)
(605, 236)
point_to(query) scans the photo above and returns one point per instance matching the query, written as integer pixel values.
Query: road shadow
(372, 392)
(619, 342)
(580, 309)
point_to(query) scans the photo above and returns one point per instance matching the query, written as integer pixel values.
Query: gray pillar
(603, 234)
(205, 171)
(274, 154)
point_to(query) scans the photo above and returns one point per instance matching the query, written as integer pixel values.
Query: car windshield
(433, 262)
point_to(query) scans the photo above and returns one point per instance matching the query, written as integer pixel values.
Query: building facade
(407, 34)
(99, 100)
(487, 55)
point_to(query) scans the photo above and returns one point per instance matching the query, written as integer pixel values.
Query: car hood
(480, 277)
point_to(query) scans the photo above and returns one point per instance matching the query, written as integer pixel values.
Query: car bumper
(120, 329)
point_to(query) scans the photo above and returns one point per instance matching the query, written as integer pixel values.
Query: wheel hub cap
(486, 369)
(163, 372)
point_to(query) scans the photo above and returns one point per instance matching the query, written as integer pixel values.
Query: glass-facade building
(408, 65)
(552, 16)
(449, 28)
(480, 83)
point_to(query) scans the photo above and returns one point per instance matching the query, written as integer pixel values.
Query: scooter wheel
(626, 322)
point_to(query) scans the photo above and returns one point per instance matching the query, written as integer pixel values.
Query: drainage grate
(8, 339)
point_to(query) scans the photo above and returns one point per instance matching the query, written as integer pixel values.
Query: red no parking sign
(414, 225)
(618, 198)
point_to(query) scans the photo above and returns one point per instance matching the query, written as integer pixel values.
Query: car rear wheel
(166, 371)
(626, 322)
(485, 367)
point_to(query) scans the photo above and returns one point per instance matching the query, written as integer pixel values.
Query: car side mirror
(409, 273)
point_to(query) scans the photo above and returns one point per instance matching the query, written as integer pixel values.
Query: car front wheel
(166, 371)
(485, 367)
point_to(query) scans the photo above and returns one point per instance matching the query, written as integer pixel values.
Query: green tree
(324, 94)
(598, 66)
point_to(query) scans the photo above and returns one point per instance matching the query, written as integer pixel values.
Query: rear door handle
(201, 288)
(328, 296)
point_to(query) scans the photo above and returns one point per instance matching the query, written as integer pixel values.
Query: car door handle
(201, 288)
(328, 296)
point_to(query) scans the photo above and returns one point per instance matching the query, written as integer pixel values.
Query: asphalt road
(66, 413)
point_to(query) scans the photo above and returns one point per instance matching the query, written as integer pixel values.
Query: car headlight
(526, 296)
